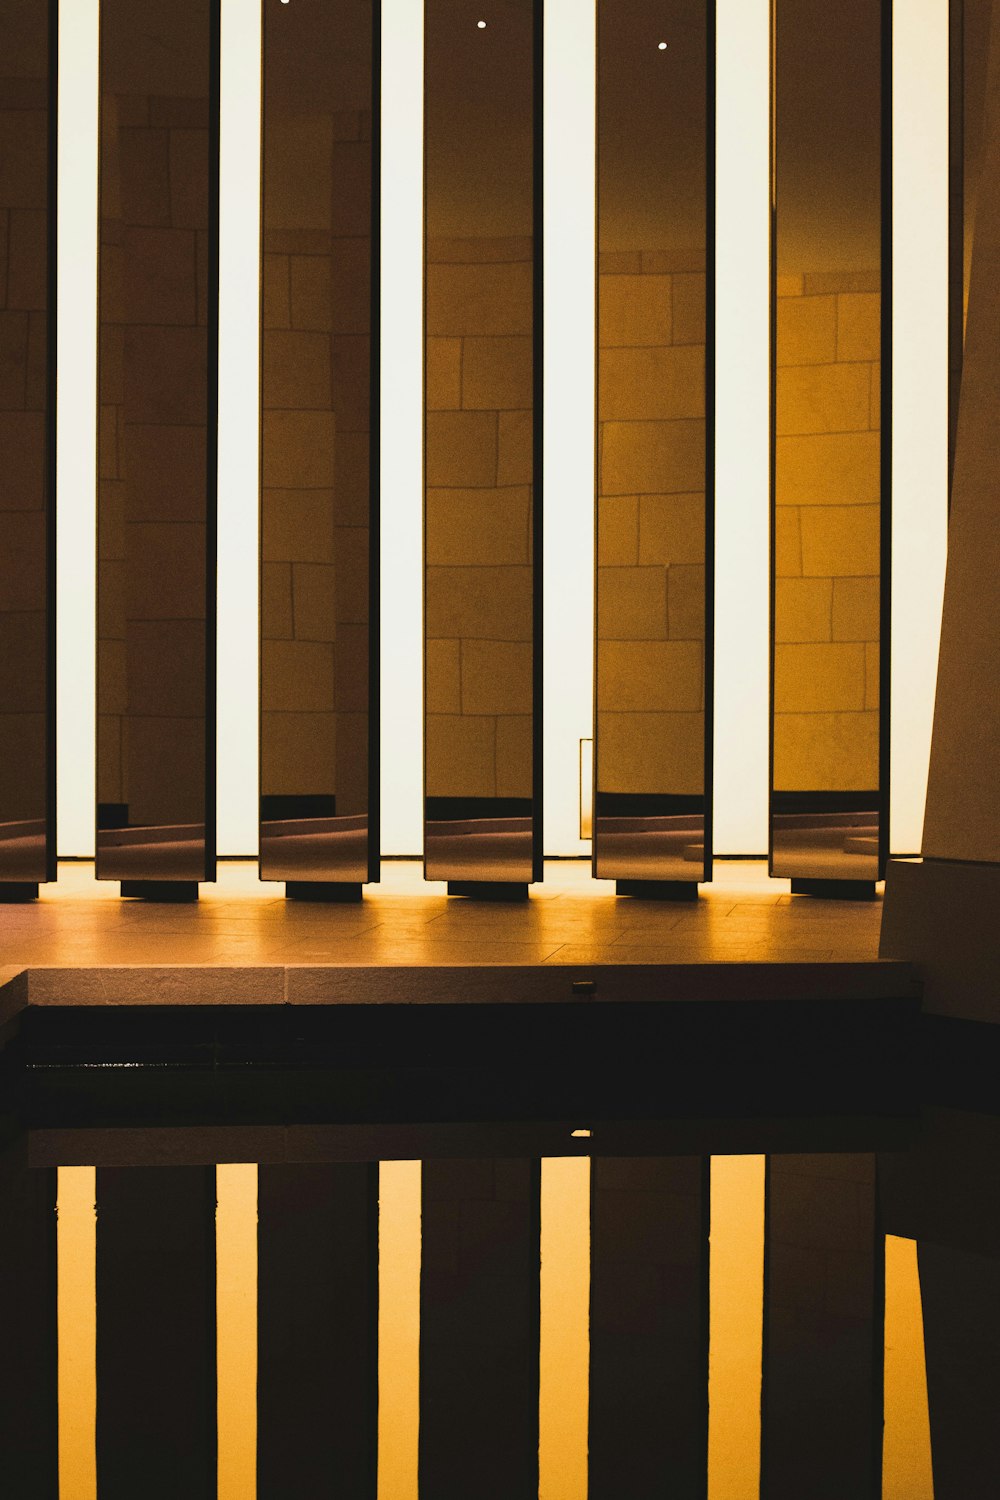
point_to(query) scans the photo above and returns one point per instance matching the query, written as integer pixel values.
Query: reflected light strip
(736, 1323)
(742, 556)
(906, 1442)
(239, 304)
(402, 540)
(564, 1330)
(77, 1332)
(920, 398)
(236, 1330)
(398, 1328)
(76, 429)
(568, 511)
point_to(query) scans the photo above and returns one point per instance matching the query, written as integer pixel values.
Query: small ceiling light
(660, 46)
(581, 1134)
(481, 25)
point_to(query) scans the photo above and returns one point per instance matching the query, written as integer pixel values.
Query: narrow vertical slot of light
(77, 1332)
(402, 546)
(568, 514)
(920, 398)
(564, 1329)
(236, 1330)
(398, 1328)
(736, 1325)
(239, 346)
(906, 1443)
(742, 526)
(76, 429)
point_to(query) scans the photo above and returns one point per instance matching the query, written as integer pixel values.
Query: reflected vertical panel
(399, 1256)
(655, 444)
(77, 1333)
(158, 337)
(906, 1451)
(27, 442)
(28, 1372)
(482, 443)
(831, 381)
(564, 1329)
(236, 1330)
(319, 445)
(736, 1292)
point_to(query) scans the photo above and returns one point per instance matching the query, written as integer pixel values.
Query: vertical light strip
(736, 1308)
(920, 398)
(77, 1332)
(742, 528)
(236, 1330)
(402, 546)
(564, 1332)
(568, 499)
(239, 355)
(906, 1443)
(398, 1328)
(76, 429)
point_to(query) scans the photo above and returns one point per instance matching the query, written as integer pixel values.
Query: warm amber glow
(77, 1325)
(398, 1328)
(564, 1333)
(736, 1299)
(906, 1444)
(236, 1331)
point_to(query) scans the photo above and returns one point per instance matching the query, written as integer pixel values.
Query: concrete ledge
(943, 916)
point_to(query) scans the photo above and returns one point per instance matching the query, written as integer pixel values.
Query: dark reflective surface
(481, 448)
(829, 777)
(27, 442)
(319, 420)
(655, 192)
(156, 491)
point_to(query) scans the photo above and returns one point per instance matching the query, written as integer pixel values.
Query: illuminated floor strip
(236, 1330)
(564, 1337)
(77, 1272)
(906, 1444)
(398, 1329)
(736, 1298)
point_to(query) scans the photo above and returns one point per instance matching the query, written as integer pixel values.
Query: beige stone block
(297, 241)
(473, 527)
(166, 471)
(631, 604)
(872, 678)
(22, 361)
(22, 765)
(822, 398)
(166, 668)
(838, 468)
(787, 542)
(310, 291)
(651, 384)
(790, 286)
(620, 263)
(111, 364)
(617, 530)
(144, 177)
(840, 540)
(690, 325)
(443, 677)
(514, 755)
(352, 763)
(111, 495)
(23, 156)
(350, 377)
(875, 402)
(111, 282)
(826, 678)
(298, 754)
(350, 285)
(111, 600)
(180, 110)
(479, 603)
(112, 678)
(109, 759)
(497, 374)
(314, 597)
(807, 330)
(166, 376)
(651, 752)
(159, 277)
(649, 676)
(26, 261)
(634, 310)
(515, 452)
(443, 390)
(189, 160)
(856, 609)
(652, 458)
(479, 299)
(276, 602)
(22, 661)
(460, 756)
(826, 752)
(672, 529)
(296, 370)
(277, 298)
(679, 258)
(296, 676)
(352, 173)
(107, 443)
(819, 283)
(496, 677)
(859, 326)
(351, 670)
(802, 609)
(165, 571)
(351, 470)
(351, 555)
(686, 603)
(297, 525)
(480, 248)
(298, 450)
(461, 449)
(298, 164)
(164, 769)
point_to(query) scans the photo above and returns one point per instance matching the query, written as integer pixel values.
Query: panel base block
(658, 890)
(339, 891)
(160, 890)
(18, 890)
(488, 890)
(836, 890)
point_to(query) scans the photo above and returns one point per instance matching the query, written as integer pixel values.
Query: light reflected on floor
(564, 1329)
(398, 1329)
(77, 1332)
(236, 1330)
(906, 1444)
(736, 1301)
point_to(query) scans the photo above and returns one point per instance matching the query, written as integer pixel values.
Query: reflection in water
(906, 1443)
(399, 1258)
(564, 1343)
(77, 1303)
(736, 1285)
(236, 1334)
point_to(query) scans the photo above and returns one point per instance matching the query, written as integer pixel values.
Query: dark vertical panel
(156, 1321)
(28, 1371)
(27, 443)
(482, 442)
(655, 448)
(831, 248)
(317, 1330)
(821, 1407)
(648, 1328)
(319, 442)
(158, 373)
(479, 1288)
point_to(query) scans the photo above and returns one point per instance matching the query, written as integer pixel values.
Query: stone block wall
(827, 532)
(651, 523)
(478, 518)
